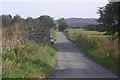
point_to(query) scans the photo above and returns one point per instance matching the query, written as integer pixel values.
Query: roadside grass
(28, 60)
(91, 51)
(52, 32)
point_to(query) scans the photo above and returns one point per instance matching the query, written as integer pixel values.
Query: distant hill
(80, 22)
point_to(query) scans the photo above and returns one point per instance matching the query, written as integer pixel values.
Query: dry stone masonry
(38, 34)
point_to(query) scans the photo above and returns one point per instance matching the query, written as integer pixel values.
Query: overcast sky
(56, 9)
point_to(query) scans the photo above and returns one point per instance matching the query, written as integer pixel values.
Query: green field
(97, 46)
(88, 33)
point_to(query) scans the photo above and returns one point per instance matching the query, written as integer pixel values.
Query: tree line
(44, 20)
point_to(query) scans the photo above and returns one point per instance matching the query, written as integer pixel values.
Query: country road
(72, 63)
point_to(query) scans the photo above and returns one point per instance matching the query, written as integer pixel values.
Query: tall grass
(13, 31)
(25, 59)
(52, 32)
(28, 60)
(97, 46)
(0, 52)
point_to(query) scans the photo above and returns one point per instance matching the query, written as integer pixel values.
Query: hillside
(80, 22)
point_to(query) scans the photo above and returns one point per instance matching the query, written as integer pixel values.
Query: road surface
(71, 63)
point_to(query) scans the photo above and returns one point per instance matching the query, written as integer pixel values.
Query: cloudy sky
(56, 9)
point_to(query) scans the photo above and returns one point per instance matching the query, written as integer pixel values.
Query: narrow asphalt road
(71, 63)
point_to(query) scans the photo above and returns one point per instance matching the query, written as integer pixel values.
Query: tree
(6, 20)
(62, 24)
(30, 22)
(17, 19)
(46, 21)
(110, 19)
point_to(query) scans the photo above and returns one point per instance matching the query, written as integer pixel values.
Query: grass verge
(28, 60)
(52, 32)
(92, 53)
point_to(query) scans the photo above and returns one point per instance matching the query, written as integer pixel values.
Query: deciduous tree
(62, 24)
(46, 21)
(110, 19)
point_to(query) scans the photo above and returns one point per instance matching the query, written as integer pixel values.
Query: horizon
(54, 9)
(53, 17)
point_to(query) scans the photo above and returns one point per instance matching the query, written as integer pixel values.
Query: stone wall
(39, 34)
